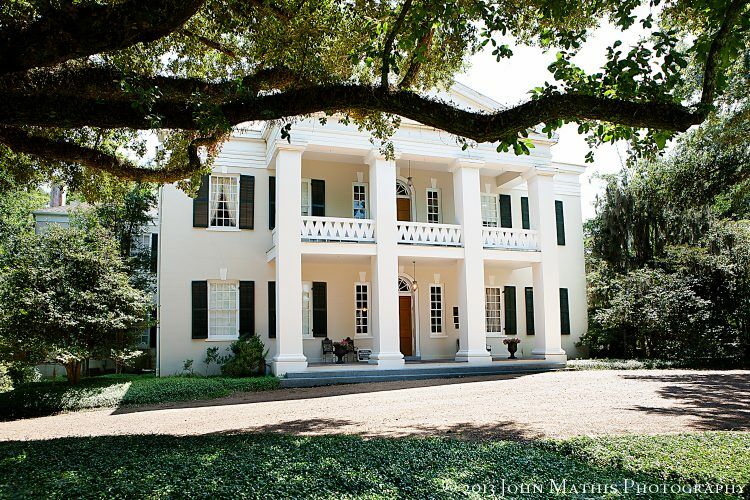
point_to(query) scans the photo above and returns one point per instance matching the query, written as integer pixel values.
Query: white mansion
(440, 254)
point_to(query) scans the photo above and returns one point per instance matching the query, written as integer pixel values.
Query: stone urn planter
(341, 349)
(512, 343)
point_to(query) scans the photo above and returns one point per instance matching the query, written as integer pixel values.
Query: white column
(289, 356)
(546, 274)
(472, 329)
(386, 350)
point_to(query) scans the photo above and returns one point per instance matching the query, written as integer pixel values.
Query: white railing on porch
(422, 233)
(510, 239)
(334, 229)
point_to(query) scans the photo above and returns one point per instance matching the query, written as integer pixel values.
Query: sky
(510, 80)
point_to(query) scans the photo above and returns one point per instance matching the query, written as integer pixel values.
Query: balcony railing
(335, 229)
(421, 233)
(510, 239)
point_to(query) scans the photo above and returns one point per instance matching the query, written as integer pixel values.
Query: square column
(472, 328)
(386, 350)
(288, 355)
(546, 274)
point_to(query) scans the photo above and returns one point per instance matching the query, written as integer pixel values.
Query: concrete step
(332, 377)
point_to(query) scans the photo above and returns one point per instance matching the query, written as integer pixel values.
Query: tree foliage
(65, 296)
(669, 260)
(80, 81)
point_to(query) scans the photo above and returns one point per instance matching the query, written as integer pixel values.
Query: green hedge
(279, 466)
(46, 398)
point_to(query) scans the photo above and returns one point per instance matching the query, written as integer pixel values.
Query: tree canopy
(79, 80)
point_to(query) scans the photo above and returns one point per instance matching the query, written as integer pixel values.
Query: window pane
(436, 308)
(222, 309)
(489, 210)
(361, 309)
(433, 206)
(493, 297)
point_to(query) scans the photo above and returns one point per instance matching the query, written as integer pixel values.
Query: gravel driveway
(555, 404)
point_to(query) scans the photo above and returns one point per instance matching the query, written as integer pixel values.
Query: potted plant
(512, 343)
(342, 348)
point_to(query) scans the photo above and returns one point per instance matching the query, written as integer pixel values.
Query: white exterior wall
(337, 154)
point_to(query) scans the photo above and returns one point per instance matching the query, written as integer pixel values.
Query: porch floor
(360, 372)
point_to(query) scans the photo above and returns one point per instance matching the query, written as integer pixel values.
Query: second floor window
(224, 201)
(359, 200)
(489, 210)
(306, 200)
(433, 205)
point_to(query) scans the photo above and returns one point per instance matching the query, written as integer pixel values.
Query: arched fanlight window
(404, 285)
(402, 189)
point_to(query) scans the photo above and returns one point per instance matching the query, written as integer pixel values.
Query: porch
(318, 374)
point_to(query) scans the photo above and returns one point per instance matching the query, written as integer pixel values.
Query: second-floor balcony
(423, 233)
(510, 239)
(316, 228)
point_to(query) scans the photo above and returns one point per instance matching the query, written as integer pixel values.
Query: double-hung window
(433, 205)
(359, 200)
(489, 210)
(362, 309)
(224, 199)
(223, 310)
(306, 198)
(493, 297)
(307, 309)
(436, 309)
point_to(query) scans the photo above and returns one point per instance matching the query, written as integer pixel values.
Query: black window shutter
(529, 298)
(320, 309)
(152, 329)
(506, 217)
(247, 308)
(154, 257)
(510, 310)
(318, 202)
(271, 202)
(271, 309)
(564, 312)
(247, 202)
(200, 204)
(200, 310)
(560, 218)
(525, 222)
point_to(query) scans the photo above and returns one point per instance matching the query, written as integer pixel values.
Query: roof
(62, 209)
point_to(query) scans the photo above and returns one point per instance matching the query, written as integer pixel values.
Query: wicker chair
(327, 346)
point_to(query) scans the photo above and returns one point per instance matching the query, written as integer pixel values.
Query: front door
(404, 325)
(403, 209)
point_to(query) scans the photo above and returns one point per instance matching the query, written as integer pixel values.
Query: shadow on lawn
(465, 431)
(720, 401)
(291, 394)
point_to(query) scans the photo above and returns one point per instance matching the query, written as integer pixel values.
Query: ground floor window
(362, 309)
(493, 297)
(223, 309)
(436, 309)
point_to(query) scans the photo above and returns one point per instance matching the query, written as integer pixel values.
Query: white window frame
(236, 226)
(306, 185)
(309, 333)
(365, 186)
(439, 198)
(486, 220)
(440, 310)
(500, 320)
(358, 307)
(141, 244)
(212, 283)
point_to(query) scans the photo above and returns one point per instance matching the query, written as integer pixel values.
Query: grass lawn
(272, 465)
(110, 391)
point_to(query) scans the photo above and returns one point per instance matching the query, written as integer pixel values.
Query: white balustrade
(422, 233)
(510, 239)
(335, 229)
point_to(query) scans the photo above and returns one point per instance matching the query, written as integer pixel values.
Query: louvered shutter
(525, 221)
(271, 309)
(200, 204)
(318, 195)
(200, 309)
(510, 310)
(247, 202)
(247, 308)
(271, 202)
(564, 312)
(560, 219)
(529, 299)
(154, 256)
(320, 309)
(506, 216)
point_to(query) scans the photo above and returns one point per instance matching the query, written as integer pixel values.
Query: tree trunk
(73, 371)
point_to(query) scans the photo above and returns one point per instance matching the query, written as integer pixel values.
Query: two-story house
(436, 255)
